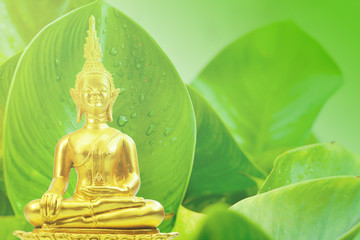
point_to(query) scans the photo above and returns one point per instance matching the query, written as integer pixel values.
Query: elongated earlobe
(75, 97)
(79, 113)
(109, 112)
(114, 95)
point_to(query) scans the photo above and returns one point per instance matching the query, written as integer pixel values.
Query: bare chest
(96, 150)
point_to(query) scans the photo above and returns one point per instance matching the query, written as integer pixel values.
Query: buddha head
(94, 91)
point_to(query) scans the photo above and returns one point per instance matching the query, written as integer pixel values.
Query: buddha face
(95, 93)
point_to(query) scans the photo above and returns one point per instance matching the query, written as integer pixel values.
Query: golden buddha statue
(105, 160)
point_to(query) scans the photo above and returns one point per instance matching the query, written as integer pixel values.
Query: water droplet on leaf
(59, 77)
(150, 113)
(151, 142)
(133, 115)
(113, 51)
(117, 13)
(138, 66)
(117, 63)
(122, 120)
(150, 129)
(168, 131)
(122, 90)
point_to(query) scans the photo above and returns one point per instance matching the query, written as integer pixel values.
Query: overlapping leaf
(21, 20)
(221, 171)
(6, 74)
(26, 18)
(9, 224)
(224, 224)
(326, 208)
(153, 108)
(218, 223)
(310, 162)
(268, 87)
(187, 223)
(10, 40)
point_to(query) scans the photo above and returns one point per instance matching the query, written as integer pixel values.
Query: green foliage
(219, 161)
(5, 206)
(324, 208)
(264, 92)
(218, 223)
(187, 223)
(29, 17)
(268, 88)
(21, 20)
(6, 74)
(310, 162)
(9, 224)
(10, 40)
(224, 224)
(154, 107)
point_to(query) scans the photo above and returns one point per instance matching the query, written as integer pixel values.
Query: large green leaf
(9, 224)
(224, 224)
(6, 74)
(154, 107)
(325, 208)
(205, 31)
(221, 171)
(268, 87)
(218, 223)
(5, 206)
(26, 18)
(309, 162)
(21, 20)
(10, 40)
(352, 234)
(187, 223)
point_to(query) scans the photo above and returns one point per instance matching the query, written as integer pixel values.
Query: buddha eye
(87, 90)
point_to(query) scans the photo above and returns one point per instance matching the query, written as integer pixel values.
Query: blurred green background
(192, 32)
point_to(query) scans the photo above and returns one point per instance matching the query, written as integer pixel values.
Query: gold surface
(95, 236)
(96, 230)
(105, 161)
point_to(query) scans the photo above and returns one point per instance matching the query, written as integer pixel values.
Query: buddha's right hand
(50, 206)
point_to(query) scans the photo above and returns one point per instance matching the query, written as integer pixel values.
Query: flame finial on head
(92, 49)
(93, 55)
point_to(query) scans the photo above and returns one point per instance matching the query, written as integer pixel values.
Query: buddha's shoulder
(83, 134)
(120, 135)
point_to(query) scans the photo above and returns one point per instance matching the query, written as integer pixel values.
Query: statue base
(94, 234)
